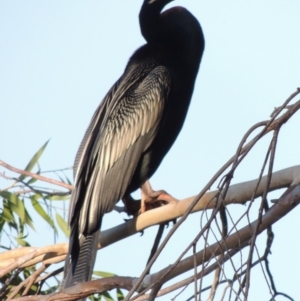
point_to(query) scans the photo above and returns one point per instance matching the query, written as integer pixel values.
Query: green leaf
(68, 180)
(7, 213)
(58, 198)
(17, 206)
(32, 180)
(33, 161)
(21, 242)
(62, 225)
(14, 204)
(120, 295)
(40, 210)
(103, 274)
(5, 194)
(28, 220)
(107, 296)
(2, 223)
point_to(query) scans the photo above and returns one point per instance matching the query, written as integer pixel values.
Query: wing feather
(122, 128)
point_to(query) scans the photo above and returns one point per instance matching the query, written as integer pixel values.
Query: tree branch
(289, 200)
(83, 290)
(237, 194)
(35, 176)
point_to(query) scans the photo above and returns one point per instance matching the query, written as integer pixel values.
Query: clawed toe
(153, 199)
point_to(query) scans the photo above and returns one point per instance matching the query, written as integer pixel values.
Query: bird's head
(175, 30)
(149, 17)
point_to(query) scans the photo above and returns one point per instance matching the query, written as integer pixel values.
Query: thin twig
(35, 176)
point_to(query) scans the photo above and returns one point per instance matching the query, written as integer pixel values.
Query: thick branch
(47, 255)
(85, 289)
(289, 200)
(238, 193)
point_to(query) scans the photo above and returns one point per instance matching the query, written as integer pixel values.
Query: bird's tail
(80, 259)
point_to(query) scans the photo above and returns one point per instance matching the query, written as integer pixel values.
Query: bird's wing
(122, 128)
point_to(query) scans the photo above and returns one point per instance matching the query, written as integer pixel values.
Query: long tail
(80, 260)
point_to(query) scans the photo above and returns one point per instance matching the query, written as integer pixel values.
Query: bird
(133, 128)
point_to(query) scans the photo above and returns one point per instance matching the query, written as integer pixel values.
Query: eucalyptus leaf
(22, 242)
(107, 296)
(7, 214)
(28, 220)
(58, 197)
(40, 210)
(103, 274)
(33, 160)
(17, 206)
(62, 224)
(120, 295)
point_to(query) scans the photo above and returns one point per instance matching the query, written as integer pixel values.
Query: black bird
(133, 128)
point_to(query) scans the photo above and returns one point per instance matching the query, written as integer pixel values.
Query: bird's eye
(151, 1)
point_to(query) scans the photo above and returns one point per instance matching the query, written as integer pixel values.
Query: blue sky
(59, 58)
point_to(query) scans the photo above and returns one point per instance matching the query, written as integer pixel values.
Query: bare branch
(85, 289)
(35, 176)
(28, 256)
(289, 200)
(237, 194)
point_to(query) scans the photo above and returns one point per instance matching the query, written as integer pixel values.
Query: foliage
(21, 200)
(16, 222)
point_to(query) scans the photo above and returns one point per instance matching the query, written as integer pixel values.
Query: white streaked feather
(107, 154)
(114, 150)
(113, 141)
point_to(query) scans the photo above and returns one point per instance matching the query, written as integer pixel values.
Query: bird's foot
(153, 199)
(150, 199)
(131, 206)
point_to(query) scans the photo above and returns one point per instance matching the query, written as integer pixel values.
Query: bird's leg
(132, 206)
(153, 199)
(150, 199)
